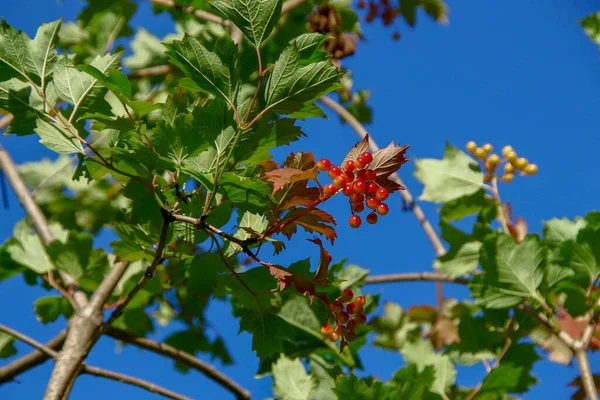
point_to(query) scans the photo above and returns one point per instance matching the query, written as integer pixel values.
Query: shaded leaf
(49, 308)
(290, 380)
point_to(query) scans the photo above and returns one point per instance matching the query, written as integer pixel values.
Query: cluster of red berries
(358, 183)
(348, 315)
(492, 162)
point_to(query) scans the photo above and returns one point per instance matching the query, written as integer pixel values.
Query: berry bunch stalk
(348, 314)
(359, 183)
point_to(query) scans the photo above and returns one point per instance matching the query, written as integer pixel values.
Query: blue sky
(517, 72)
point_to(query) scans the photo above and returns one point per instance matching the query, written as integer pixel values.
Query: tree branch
(6, 120)
(183, 357)
(587, 378)
(416, 276)
(37, 218)
(95, 370)
(31, 360)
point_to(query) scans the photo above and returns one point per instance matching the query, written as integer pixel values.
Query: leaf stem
(498, 200)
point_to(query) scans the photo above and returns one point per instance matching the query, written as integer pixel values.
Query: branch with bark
(96, 371)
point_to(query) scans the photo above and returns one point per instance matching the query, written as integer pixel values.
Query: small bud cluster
(348, 314)
(356, 181)
(504, 168)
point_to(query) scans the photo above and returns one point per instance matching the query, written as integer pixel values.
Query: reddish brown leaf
(312, 221)
(343, 344)
(389, 160)
(268, 165)
(444, 333)
(302, 161)
(580, 393)
(357, 150)
(389, 184)
(298, 195)
(283, 276)
(424, 313)
(282, 176)
(322, 274)
(573, 327)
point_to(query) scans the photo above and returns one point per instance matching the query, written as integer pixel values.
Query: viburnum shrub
(166, 146)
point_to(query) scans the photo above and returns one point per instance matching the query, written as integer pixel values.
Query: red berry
(371, 188)
(349, 175)
(326, 330)
(349, 165)
(370, 175)
(337, 307)
(343, 317)
(360, 163)
(348, 190)
(358, 207)
(372, 202)
(357, 198)
(330, 189)
(351, 325)
(351, 308)
(355, 221)
(350, 337)
(334, 337)
(346, 296)
(382, 194)
(367, 156)
(324, 164)
(372, 218)
(360, 187)
(382, 209)
(360, 301)
(360, 318)
(361, 175)
(340, 182)
(334, 171)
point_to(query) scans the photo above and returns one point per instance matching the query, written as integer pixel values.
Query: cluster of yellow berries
(492, 162)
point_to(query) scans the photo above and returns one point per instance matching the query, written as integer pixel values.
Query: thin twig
(416, 276)
(95, 370)
(183, 357)
(406, 195)
(541, 317)
(6, 120)
(587, 378)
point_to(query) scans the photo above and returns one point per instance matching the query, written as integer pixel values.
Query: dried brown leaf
(389, 160)
(282, 176)
(357, 150)
(322, 274)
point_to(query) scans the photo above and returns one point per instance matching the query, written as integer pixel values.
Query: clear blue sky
(517, 72)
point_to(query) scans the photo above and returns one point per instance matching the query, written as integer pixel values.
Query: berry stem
(501, 214)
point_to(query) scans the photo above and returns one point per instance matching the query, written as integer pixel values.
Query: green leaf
(513, 375)
(462, 262)
(57, 138)
(464, 206)
(422, 355)
(21, 56)
(213, 72)
(23, 103)
(450, 178)
(354, 388)
(412, 384)
(591, 26)
(73, 256)
(7, 345)
(180, 139)
(580, 257)
(324, 374)
(558, 231)
(269, 332)
(79, 88)
(49, 308)
(247, 222)
(115, 81)
(394, 328)
(27, 249)
(256, 18)
(290, 87)
(290, 380)
(517, 269)
(147, 51)
(255, 146)
(247, 194)
(297, 312)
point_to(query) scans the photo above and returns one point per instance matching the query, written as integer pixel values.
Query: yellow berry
(508, 168)
(512, 156)
(493, 160)
(471, 146)
(480, 153)
(506, 150)
(507, 178)
(334, 337)
(522, 163)
(531, 169)
(487, 177)
(488, 148)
